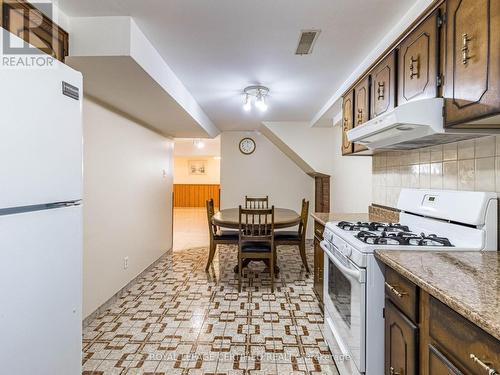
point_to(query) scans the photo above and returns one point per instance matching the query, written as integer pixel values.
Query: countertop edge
(452, 303)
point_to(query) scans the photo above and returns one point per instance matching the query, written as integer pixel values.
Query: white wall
(127, 201)
(265, 172)
(351, 182)
(182, 176)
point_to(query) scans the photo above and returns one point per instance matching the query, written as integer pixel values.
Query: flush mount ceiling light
(256, 94)
(198, 143)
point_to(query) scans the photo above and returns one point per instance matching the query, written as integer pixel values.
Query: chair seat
(286, 236)
(227, 235)
(256, 247)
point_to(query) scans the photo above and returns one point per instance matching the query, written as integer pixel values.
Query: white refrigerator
(40, 221)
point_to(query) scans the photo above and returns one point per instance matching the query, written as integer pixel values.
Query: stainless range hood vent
(306, 41)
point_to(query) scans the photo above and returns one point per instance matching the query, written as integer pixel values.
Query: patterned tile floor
(178, 319)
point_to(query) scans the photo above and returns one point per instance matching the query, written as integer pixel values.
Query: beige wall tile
(466, 174)
(392, 196)
(485, 147)
(393, 177)
(436, 153)
(415, 176)
(466, 149)
(450, 175)
(425, 176)
(393, 159)
(425, 155)
(498, 145)
(405, 171)
(450, 151)
(485, 174)
(436, 175)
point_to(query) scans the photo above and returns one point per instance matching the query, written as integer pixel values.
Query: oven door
(345, 303)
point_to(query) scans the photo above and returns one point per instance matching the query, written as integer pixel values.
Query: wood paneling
(193, 195)
(25, 21)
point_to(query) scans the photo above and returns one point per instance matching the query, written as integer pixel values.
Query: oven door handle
(355, 274)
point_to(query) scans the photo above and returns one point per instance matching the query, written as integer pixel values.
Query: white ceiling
(218, 47)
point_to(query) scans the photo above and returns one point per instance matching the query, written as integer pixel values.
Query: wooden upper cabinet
(361, 106)
(472, 60)
(400, 342)
(383, 86)
(347, 121)
(418, 62)
(23, 20)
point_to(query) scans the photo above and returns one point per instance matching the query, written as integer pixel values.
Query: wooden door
(383, 86)
(347, 121)
(400, 342)
(361, 106)
(472, 66)
(418, 62)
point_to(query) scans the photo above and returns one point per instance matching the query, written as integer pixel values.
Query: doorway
(196, 179)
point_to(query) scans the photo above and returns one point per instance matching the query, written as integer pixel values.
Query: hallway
(180, 320)
(190, 228)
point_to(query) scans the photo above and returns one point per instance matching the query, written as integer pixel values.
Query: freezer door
(41, 292)
(41, 137)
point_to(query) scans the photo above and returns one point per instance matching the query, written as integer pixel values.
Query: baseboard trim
(106, 305)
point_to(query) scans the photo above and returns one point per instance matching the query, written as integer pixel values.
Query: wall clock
(247, 146)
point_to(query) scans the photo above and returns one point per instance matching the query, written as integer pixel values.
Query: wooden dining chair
(218, 237)
(257, 203)
(256, 239)
(296, 238)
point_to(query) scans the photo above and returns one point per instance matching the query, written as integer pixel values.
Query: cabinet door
(318, 269)
(347, 122)
(361, 106)
(417, 62)
(400, 342)
(439, 364)
(472, 67)
(383, 86)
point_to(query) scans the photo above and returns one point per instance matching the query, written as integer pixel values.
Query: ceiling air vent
(306, 41)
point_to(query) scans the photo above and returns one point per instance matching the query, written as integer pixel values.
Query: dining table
(229, 218)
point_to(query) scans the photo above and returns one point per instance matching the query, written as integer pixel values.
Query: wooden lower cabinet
(401, 338)
(439, 341)
(318, 262)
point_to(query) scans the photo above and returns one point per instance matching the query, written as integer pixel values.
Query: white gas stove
(354, 281)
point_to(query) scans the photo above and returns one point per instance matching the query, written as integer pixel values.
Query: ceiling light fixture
(257, 94)
(199, 144)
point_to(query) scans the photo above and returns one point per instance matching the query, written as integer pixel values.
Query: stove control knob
(347, 251)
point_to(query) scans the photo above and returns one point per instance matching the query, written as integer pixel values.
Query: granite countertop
(323, 218)
(468, 282)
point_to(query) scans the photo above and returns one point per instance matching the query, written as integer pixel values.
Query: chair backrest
(210, 214)
(256, 225)
(304, 215)
(257, 203)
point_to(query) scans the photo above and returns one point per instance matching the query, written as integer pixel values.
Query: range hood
(412, 125)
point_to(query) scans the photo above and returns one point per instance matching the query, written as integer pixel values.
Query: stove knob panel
(347, 251)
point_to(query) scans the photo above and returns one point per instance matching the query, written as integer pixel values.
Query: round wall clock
(247, 146)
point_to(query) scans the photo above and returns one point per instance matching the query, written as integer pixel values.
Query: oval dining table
(229, 218)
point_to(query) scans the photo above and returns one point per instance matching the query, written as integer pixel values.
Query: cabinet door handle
(396, 292)
(414, 67)
(360, 116)
(465, 48)
(392, 371)
(380, 90)
(489, 370)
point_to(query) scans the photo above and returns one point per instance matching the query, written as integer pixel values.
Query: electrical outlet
(125, 263)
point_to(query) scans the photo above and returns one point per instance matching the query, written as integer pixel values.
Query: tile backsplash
(465, 165)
